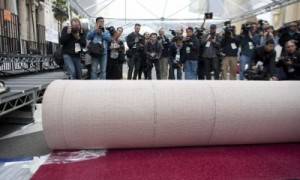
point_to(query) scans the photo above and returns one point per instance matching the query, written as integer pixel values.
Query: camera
(246, 28)
(74, 30)
(140, 39)
(163, 41)
(257, 74)
(282, 61)
(111, 30)
(199, 31)
(212, 35)
(173, 32)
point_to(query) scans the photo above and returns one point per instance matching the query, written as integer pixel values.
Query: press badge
(77, 47)
(188, 50)
(251, 46)
(233, 46)
(177, 57)
(207, 44)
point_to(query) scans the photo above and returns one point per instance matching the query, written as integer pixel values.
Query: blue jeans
(191, 69)
(243, 61)
(95, 62)
(73, 66)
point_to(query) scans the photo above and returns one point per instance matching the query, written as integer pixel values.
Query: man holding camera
(229, 46)
(163, 62)
(263, 60)
(290, 62)
(153, 50)
(192, 52)
(73, 40)
(211, 44)
(135, 42)
(176, 58)
(249, 39)
(101, 36)
(290, 33)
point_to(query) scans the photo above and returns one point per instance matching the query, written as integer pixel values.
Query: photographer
(143, 68)
(249, 40)
(73, 40)
(192, 52)
(116, 56)
(101, 36)
(269, 34)
(163, 62)
(153, 50)
(290, 63)
(263, 60)
(135, 42)
(289, 33)
(211, 43)
(229, 46)
(176, 58)
(199, 32)
(177, 33)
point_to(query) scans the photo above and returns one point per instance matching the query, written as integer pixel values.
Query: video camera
(199, 31)
(111, 30)
(173, 32)
(246, 28)
(256, 74)
(228, 30)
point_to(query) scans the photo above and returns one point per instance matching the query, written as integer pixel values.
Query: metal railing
(10, 63)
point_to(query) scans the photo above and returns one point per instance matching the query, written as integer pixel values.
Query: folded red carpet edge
(267, 161)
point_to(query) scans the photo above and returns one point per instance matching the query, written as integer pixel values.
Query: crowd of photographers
(197, 54)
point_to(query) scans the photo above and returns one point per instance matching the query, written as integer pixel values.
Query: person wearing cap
(211, 44)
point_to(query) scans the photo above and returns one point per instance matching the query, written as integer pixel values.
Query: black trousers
(113, 69)
(143, 68)
(212, 64)
(201, 69)
(150, 63)
(134, 62)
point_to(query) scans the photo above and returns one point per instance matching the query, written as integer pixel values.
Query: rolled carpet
(143, 114)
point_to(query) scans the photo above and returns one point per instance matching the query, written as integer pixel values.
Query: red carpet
(277, 161)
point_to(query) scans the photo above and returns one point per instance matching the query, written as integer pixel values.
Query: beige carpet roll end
(144, 114)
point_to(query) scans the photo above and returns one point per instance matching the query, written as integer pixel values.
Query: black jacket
(226, 46)
(287, 37)
(173, 52)
(130, 39)
(68, 41)
(165, 42)
(268, 59)
(150, 48)
(295, 58)
(194, 48)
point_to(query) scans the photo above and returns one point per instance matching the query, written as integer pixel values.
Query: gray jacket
(212, 50)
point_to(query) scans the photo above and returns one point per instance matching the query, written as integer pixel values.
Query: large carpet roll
(141, 114)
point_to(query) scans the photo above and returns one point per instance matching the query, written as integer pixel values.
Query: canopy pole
(125, 11)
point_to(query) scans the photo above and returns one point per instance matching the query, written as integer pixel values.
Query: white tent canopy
(172, 14)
